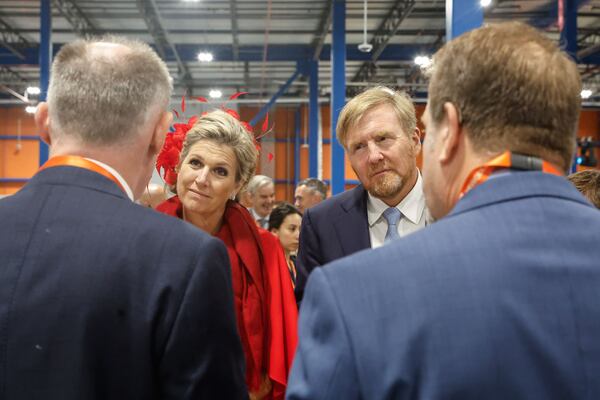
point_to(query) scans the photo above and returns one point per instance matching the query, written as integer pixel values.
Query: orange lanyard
(506, 160)
(80, 162)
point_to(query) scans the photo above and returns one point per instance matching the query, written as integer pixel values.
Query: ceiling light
(205, 56)
(33, 90)
(215, 94)
(423, 61)
(485, 3)
(586, 93)
(30, 109)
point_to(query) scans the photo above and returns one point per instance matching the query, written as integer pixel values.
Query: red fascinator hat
(168, 158)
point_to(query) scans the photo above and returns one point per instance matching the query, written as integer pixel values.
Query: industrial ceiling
(258, 44)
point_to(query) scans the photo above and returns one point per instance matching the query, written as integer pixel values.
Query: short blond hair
(514, 90)
(221, 128)
(368, 100)
(104, 98)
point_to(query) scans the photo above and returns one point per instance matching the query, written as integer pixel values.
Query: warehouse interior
(296, 63)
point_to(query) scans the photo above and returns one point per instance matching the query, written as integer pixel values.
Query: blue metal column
(568, 36)
(297, 146)
(263, 111)
(462, 16)
(338, 92)
(313, 118)
(45, 61)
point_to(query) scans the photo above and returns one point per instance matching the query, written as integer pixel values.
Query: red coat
(264, 297)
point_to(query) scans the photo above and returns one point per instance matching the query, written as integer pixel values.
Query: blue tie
(392, 215)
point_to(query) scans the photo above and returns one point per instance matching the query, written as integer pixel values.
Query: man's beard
(387, 185)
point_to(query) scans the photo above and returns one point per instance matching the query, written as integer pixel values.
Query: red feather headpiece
(168, 158)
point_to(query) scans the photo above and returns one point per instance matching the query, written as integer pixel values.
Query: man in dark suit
(378, 130)
(101, 298)
(498, 299)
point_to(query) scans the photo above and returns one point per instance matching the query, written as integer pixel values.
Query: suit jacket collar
(356, 200)
(73, 176)
(515, 185)
(352, 226)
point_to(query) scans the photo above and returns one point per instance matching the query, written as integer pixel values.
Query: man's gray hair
(257, 182)
(106, 96)
(315, 185)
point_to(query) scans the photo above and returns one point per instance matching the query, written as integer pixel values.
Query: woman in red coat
(217, 159)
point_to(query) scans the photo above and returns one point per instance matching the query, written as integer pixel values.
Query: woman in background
(284, 222)
(217, 159)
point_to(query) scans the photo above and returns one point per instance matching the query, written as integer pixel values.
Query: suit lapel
(351, 224)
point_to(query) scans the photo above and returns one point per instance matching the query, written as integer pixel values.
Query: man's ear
(416, 138)
(451, 134)
(42, 123)
(160, 132)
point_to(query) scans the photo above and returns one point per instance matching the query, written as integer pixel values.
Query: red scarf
(264, 298)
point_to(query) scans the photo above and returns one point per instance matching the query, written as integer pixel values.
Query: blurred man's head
(309, 192)
(588, 183)
(153, 196)
(378, 129)
(262, 191)
(502, 87)
(107, 100)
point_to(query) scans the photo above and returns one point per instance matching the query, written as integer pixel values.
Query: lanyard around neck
(510, 160)
(80, 162)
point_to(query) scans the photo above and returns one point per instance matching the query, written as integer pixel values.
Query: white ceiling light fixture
(215, 94)
(33, 90)
(205, 56)
(365, 46)
(586, 93)
(30, 109)
(485, 3)
(423, 61)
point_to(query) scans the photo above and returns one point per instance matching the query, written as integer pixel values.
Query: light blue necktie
(392, 215)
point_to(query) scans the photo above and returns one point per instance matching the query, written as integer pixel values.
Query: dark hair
(279, 213)
(315, 185)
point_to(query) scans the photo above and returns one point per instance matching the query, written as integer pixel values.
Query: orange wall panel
(17, 162)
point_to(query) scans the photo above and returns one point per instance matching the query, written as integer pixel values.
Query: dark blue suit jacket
(499, 300)
(334, 228)
(101, 298)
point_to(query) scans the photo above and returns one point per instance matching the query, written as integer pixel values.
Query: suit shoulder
(171, 230)
(347, 199)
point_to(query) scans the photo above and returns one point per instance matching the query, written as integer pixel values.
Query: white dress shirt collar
(411, 207)
(117, 175)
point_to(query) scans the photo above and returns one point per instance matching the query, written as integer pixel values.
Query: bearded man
(378, 130)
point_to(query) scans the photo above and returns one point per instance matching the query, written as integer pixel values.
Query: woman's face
(289, 232)
(207, 178)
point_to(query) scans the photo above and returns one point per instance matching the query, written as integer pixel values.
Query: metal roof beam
(387, 29)
(589, 44)
(10, 77)
(12, 40)
(72, 13)
(234, 30)
(324, 24)
(164, 46)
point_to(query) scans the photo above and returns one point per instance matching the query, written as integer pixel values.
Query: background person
(284, 222)
(217, 159)
(262, 192)
(153, 195)
(101, 298)
(499, 298)
(309, 192)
